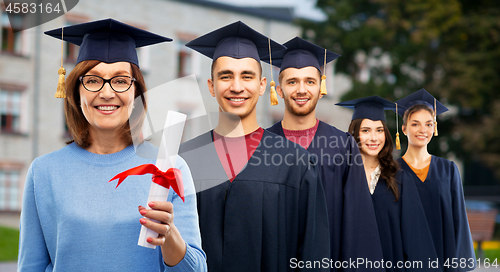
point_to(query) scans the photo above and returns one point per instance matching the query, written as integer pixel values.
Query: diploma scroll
(167, 156)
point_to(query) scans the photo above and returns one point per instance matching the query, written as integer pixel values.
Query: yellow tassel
(61, 84)
(398, 142)
(435, 128)
(323, 85)
(274, 95)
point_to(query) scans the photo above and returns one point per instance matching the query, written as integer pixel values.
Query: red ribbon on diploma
(171, 178)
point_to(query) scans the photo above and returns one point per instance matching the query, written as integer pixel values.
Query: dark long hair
(389, 166)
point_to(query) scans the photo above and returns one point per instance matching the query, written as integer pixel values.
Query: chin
(370, 153)
(300, 111)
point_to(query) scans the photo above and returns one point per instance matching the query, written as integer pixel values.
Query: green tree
(449, 47)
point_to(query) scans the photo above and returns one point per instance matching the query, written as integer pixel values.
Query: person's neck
(417, 156)
(370, 162)
(232, 126)
(105, 142)
(295, 122)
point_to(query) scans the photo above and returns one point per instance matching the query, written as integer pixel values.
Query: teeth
(237, 99)
(301, 100)
(107, 108)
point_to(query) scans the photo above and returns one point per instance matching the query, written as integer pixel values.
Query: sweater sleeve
(186, 221)
(33, 253)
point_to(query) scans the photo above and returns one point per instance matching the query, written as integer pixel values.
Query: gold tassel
(398, 142)
(274, 95)
(435, 119)
(323, 85)
(61, 83)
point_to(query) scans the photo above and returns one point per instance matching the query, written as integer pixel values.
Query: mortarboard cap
(371, 107)
(420, 97)
(300, 53)
(236, 40)
(107, 40)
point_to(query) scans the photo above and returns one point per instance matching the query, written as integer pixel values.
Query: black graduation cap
(371, 107)
(420, 97)
(107, 40)
(236, 40)
(300, 53)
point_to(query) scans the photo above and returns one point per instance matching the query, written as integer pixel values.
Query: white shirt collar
(374, 179)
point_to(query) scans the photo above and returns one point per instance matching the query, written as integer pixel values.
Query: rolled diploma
(167, 155)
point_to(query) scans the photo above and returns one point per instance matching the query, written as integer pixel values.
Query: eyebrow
(371, 128)
(416, 121)
(117, 73)
(298, 79)
(248, 72)
(224, 72)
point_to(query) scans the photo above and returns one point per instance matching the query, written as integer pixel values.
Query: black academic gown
(269, 214)
(406, 240)
(353, 227)
(442, 199)
(388, 212)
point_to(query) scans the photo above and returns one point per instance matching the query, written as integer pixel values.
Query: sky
(302, 8)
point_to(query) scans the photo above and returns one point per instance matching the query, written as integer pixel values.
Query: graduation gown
(353, 227)
(402, 226)
(271, 212)
(442, 199)
(388, 212)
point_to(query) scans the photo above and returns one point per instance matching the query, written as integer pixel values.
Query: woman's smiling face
(107, 109)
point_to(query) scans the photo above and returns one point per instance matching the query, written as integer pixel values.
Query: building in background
(32, 120)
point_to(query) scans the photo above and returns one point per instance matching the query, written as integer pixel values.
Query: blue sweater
(72, 219)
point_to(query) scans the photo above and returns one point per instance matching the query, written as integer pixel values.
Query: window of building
(71, 50)
(10, 111)
(185, 58)
(9, 187)
(12, 37)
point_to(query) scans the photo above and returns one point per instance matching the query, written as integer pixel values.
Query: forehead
(421, 115)
(370, 123)
(236, 65)
(111, 67)
(305, 72)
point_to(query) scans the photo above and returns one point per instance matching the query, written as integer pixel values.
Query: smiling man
(260, 201)
(353, 227)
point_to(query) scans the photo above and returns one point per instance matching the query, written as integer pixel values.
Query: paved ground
(10, 220)
(8, 267)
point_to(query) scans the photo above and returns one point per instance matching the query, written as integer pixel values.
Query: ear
(403, 128)
(263, 84)
(210, 84)
(320, 94)
(279, 91)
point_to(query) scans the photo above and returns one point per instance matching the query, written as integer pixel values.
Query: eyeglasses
(119, 84)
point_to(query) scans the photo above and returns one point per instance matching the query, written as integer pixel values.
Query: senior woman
(72, 219)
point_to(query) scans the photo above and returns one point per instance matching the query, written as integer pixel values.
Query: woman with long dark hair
(438, 183)
(393, 206)
(72, 219)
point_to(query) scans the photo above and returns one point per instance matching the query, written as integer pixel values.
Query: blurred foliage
(449, 47)
(9, 244)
